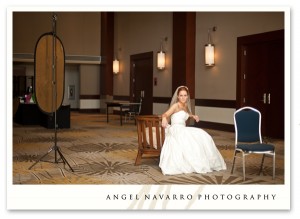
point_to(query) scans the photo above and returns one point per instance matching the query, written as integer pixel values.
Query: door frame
(241, 42)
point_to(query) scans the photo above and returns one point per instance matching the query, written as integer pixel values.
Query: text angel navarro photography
(178, 197)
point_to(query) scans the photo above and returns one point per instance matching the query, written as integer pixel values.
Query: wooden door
(275, 116)
(261, 79)
(141, 76)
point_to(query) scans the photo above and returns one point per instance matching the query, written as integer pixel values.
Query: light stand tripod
(54, 148)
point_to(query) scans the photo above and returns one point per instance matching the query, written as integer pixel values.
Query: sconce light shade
(210, 49)
(161, 60)
(116, 67)
(209, 55)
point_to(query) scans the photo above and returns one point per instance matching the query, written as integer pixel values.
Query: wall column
(184, 40)
(107, 48)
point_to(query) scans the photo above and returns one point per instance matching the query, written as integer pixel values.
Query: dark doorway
(260, 78)
(141, 74)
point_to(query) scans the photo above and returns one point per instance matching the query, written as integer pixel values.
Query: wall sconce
(210, 50)
(161, 60)
(116, 66)
(161, 57)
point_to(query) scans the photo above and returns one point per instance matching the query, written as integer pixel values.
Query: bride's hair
(182, 88)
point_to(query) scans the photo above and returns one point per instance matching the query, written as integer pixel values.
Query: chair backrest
(140, 106)
(247, 123)
(136, 108)
(151, 135)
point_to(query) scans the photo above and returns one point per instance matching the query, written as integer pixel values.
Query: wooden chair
(151, 137)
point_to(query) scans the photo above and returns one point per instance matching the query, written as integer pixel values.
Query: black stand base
(56, 150)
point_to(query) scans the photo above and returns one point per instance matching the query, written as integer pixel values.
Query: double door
(261, 79)
(141, 74)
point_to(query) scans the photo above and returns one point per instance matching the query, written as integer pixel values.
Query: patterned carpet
(104, 153)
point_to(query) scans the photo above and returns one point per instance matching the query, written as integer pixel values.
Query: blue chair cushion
(255, 147)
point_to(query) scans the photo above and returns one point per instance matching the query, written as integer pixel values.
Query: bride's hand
(164, 122)
(196, 118)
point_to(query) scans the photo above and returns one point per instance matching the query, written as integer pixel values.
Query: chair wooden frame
(251, 144)
(151, 137)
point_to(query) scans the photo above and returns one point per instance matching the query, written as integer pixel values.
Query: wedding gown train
(188, 149)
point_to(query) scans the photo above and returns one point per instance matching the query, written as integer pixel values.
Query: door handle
(269, 98)
(264, 98)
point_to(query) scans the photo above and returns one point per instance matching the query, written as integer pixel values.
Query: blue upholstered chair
(247, 122)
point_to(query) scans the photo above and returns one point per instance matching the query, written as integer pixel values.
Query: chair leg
(138, 158)
(233, 161)
(262, 163)
(244, 168)
(274, 166)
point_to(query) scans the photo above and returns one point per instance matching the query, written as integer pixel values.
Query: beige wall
(27, 28)
(219, 82)
(89, 85)
(89, 79)
(78, 31)
(142, 32)
(139, 32)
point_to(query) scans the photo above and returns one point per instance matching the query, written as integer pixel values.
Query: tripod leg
(40, 158)
(56, 149)
(64, 159)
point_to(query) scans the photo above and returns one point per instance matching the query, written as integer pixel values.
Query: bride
(186, 149)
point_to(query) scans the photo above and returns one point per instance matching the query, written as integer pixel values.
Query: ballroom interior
(247, 70)
(93, 40)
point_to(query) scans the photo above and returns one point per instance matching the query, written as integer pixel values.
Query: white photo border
(134, 197)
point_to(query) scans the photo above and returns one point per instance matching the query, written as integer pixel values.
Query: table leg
(107, 114)
(121, 110)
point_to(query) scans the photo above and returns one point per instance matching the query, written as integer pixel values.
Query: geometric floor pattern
(104, 153)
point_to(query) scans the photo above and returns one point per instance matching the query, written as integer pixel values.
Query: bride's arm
(195, 117)
(167, 114)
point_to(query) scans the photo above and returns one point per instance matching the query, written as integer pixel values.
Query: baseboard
(215, 125)
(89, 110)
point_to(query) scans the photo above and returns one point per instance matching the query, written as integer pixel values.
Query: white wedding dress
(188, 149)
